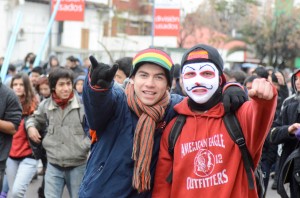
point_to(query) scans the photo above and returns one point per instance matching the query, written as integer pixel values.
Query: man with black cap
(206, 161)
(126, 126)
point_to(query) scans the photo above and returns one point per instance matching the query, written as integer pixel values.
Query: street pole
(153, 24)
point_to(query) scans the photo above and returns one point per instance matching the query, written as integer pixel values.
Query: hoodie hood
(293, 79)
(215, 112)
(81, 77)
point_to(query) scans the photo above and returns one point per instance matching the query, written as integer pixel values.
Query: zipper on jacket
(93, 174)
(100, 168)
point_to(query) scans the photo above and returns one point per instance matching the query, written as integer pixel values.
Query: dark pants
(1, 179)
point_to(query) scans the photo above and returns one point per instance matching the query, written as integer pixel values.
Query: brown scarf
(63, 103)
(149, 116)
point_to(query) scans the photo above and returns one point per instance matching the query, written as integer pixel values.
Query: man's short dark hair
(72, 59)
(125, 65)
(261, 72)
(11, 68)
(57, 73)
(38, 70)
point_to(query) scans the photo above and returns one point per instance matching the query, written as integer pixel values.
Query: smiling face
(150, 83)
(63, 88)
(200, 81)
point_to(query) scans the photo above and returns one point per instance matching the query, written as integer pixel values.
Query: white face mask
(200, 81)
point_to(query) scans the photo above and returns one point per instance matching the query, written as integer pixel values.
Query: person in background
(261, 72)
(283, 132)
(249, 81)
(28, 63)
(238, 76)
(43, 87)
(270, 157)
(52, 63)
(227, 74)
(78, 86)
(34, 75)
(86, 64)
(21, 163)
(269, 69)
(126, 126)
(65, 142)
(72, 64)
(123, 71)
(177, 81)
(78, 61)
(11, 72)
(10, 118)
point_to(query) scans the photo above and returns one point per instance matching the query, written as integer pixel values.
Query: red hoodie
(207, 163)
(20, 145)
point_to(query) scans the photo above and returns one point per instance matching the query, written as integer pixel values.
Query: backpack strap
(234, 129)
(173, 136)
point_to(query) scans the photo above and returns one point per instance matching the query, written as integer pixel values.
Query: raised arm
(99, 95)
(256, 115)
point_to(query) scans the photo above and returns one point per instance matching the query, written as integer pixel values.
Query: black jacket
(10, 110)
(289, 114)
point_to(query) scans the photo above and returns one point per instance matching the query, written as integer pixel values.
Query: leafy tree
(275, 40)
(218, 15)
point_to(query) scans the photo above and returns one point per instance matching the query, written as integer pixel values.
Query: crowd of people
(102, 130)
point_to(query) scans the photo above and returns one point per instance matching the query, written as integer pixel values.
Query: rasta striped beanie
(156, 56)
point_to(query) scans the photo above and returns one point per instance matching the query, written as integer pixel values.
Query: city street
(32, 191)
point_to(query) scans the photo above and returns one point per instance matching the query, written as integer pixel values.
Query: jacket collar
(74, 103)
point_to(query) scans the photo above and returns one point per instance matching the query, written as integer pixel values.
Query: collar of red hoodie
(182, 108)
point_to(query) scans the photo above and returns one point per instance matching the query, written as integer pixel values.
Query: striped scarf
(149, 116)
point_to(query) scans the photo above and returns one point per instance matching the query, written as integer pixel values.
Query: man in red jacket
(206, 161)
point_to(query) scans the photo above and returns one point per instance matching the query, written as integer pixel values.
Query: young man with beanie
(66, 144)
(206, 160)
(126, 125)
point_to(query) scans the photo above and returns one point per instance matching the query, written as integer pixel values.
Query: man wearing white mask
(206, 161)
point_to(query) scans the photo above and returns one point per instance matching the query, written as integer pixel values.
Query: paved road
(32, 191)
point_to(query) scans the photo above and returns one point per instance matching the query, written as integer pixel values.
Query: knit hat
(204, 53)
(156, 56)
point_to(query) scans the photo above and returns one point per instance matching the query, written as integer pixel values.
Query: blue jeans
(5, 187)
(19, 175)
(57, 177)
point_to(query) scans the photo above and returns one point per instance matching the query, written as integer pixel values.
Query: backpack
(288, 167)
(236, 134)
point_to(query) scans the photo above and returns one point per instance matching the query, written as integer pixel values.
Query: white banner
(167, 4)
